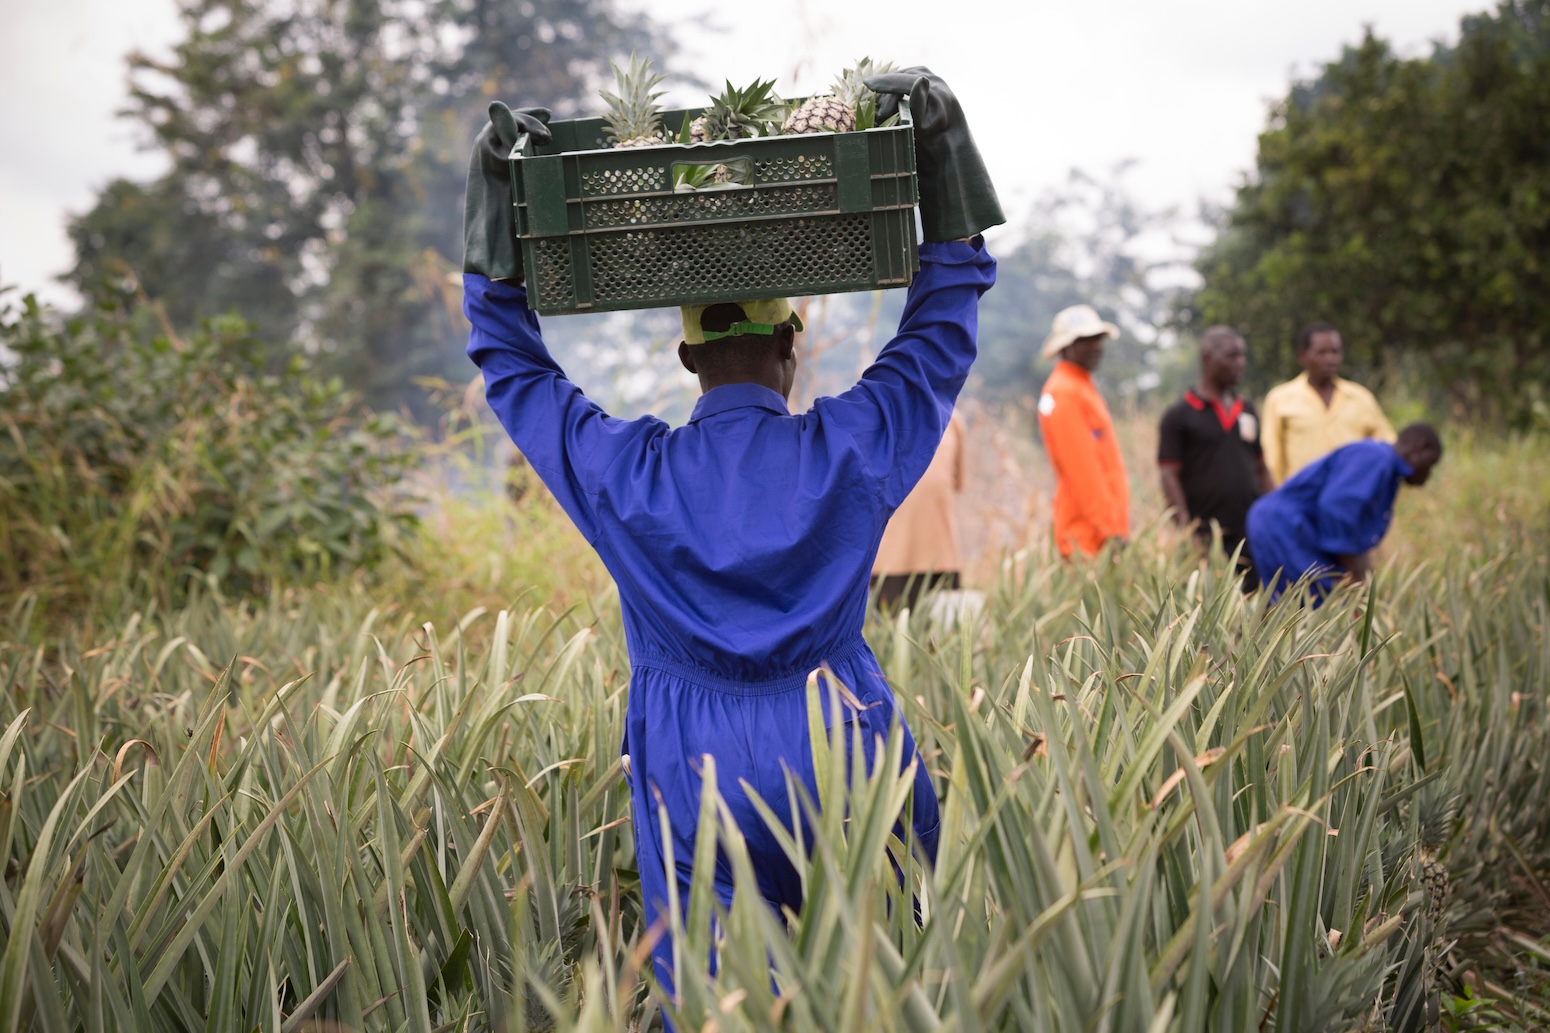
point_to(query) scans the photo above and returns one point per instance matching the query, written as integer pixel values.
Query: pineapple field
(396, 802)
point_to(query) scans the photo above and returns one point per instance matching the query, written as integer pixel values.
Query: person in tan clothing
(919, 551)
(1309, 417)
(1092, 493)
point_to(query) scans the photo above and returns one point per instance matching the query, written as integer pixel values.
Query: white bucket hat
(1073, 324)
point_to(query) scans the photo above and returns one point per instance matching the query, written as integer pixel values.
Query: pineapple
(825, 114)
(739, 114)
(634, 118)
(736, 114)
(849, 107)
(1435, 814)
(1434, 880)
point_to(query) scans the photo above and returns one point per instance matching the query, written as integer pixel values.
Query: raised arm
(899, 409)
(568, 440)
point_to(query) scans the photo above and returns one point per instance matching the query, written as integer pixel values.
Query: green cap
(759, 317)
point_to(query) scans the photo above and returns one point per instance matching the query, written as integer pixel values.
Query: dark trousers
(1230, 541)
(899, 591)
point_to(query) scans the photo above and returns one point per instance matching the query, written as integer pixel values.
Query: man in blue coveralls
(741, 542)
(1326, 520)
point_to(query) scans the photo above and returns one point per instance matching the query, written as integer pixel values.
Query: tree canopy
(317, 153)
(1089, 241)
(1408, 202)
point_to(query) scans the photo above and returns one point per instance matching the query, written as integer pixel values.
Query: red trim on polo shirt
(1225, 416)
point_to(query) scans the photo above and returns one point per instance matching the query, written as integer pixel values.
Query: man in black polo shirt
(1208, 449)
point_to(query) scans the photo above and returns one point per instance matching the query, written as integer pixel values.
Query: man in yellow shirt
(1318, 412)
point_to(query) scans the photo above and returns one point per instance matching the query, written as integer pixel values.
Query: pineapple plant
(735, 114)
(850, 106)
(634, 118)
(1435, 813)
(739, 114)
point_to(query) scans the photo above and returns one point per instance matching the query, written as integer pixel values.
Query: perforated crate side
(601, 228)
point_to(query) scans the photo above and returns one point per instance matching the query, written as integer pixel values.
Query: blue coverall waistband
(703, 678)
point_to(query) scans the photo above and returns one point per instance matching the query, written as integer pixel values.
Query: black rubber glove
(957, 199)
(489, 217)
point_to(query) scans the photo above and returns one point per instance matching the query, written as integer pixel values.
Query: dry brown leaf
(1239, 845)
(1204, 760)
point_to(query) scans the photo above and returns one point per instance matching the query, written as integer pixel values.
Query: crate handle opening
(696, 176)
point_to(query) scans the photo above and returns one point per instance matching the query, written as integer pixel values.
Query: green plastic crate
(603, 229)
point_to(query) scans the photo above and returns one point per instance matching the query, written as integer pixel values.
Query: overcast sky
(1182, 86)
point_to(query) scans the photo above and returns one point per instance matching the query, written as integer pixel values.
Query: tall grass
(1164, 809)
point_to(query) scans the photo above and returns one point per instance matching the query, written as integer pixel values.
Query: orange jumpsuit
(1092, 494)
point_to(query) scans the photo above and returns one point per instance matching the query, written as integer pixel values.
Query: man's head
(1319, 350)
(1421, 448)
(749, 342)
(1223, 356)
(1077, 335)
(1086, 352)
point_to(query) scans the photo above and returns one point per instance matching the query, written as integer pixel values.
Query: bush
(137, 461)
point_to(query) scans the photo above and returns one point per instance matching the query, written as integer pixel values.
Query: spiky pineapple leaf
(633, 112)
(1413, 715)
(744, 112)
(866, 113)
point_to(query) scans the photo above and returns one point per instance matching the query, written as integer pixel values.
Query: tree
(137, 462)
(1407, 201)
(1087, 242)
(318, 150)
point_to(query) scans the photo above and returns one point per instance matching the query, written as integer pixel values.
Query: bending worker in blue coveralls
(742, 542)
(1326, 520)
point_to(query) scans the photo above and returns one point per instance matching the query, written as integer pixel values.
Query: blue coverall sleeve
(899, 409)
(1354, 505)
(569, 441)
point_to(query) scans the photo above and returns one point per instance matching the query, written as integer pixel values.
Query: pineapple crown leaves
(1436, 810)
(754, 110)
(850, 87)
(633, 112)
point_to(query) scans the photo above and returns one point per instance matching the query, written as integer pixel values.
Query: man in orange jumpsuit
(1092, 494)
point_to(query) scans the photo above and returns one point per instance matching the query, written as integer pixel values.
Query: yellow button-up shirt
(1298, 428)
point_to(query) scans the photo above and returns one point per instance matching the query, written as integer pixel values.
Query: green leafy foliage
(1408, 201)
(1090, 241)
(137, 462)
(318, 151)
